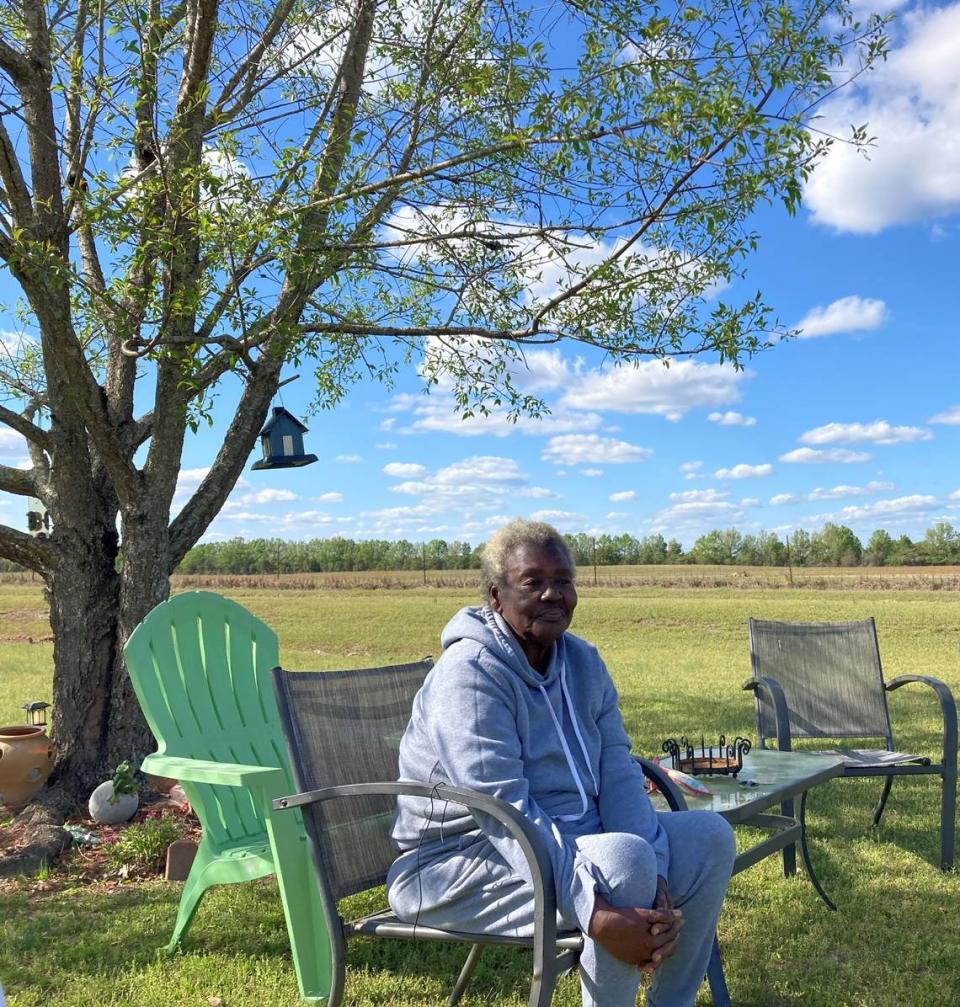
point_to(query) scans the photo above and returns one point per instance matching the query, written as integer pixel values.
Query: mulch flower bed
(88, 861)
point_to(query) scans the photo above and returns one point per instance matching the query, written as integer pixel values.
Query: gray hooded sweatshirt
(552, 745)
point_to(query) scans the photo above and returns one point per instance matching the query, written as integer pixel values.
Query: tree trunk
(144, 584)
(82, 593)
(95, 604)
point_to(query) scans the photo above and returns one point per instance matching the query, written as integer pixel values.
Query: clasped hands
(641, 937)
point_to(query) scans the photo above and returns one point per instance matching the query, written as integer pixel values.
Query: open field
(860, 578)
(895, 578)
(678, 654)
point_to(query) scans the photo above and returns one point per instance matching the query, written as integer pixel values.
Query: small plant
(143, 846)
(123, 782)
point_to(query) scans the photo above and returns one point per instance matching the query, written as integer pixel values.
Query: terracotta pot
(26, 758)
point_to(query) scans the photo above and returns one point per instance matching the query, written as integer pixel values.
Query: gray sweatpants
(491, 899)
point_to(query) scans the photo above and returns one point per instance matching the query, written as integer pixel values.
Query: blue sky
(857, 421)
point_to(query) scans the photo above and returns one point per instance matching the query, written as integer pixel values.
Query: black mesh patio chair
(825, 680)
(343, 731)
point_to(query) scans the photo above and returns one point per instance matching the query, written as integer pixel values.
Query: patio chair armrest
(948, 707)
(774, 692)
(663, 783)
(515, 822)
(230, 774)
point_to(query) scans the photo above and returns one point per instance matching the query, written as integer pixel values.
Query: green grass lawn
(678, 655)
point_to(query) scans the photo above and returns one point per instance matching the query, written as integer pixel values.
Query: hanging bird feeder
(282, 442)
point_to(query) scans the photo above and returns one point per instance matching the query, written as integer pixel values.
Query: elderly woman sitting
(519, 708)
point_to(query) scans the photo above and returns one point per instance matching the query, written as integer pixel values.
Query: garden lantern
(36, 713)
(282, 442)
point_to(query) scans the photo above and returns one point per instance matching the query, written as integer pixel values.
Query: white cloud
(912, 105)
(388, 423)
(655, 389)
(14, 344)
(699, 496)
(192, 477)
(437, 413)
(695, 514)
(592, 473)
(849, 314)
(690, 469)
(404, 470)
(329, 498)
(350, 459)
(268, 496)
(11, 442)
(544, 369)
(246, 516)
(882, 508)
(471, 487)
(951, 416)
(878, 432)
(623, 496)
(189, 479)
(841, 492)
(782, 498)
(386, 446)
(617, 515)
(955, 495)
(744, 471)
(562, 519)
(306, 518)
(579, 449)
(731, 418)
(749, 502)
(806, 456)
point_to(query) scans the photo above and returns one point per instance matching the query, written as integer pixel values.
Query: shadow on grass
(46, 937)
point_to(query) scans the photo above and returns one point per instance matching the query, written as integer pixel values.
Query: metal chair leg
(881, 804)
(473, 956)
(789, 852)
(718, 982)
(805, 853)
(948, 816)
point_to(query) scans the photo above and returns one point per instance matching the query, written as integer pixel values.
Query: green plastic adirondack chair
(200, 665)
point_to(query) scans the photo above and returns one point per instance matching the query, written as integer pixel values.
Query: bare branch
(14, 184)
(334, 155)
(247, 68)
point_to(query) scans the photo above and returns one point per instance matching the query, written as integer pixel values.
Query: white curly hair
(514, 535)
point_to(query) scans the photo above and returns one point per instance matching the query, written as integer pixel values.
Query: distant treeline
(833, 545)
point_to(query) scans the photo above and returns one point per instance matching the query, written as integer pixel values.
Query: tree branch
(37, 554)
(14, 184)
(23, 425)
(211, 494)
(20, 482)
(247, 68)
(468, 156)
(14, 62)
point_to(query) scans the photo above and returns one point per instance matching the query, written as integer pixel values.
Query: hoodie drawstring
(565, 696)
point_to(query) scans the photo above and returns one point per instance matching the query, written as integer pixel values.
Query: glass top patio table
(778, 777)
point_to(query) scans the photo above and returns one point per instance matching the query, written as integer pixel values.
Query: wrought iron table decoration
(720, 759)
